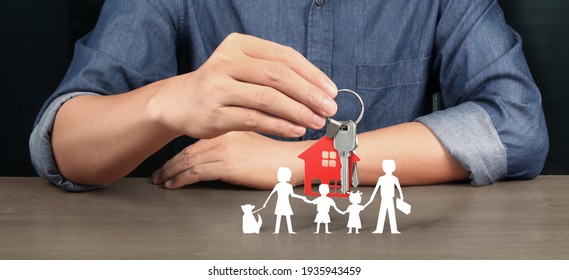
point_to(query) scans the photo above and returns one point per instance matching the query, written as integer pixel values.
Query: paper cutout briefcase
(403, 206)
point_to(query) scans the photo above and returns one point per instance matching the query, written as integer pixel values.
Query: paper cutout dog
(250, 225)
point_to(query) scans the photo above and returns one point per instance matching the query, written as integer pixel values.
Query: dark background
(37, 38)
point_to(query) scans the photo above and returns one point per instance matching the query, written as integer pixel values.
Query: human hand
(240, 158)
(247, 84)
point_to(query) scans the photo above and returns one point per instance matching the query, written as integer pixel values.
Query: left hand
(239, 158)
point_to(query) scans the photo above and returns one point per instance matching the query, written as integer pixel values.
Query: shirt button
(319, 2)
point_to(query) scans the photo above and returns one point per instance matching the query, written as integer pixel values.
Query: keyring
(361, 102)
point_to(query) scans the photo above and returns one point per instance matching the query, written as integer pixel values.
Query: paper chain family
(321, 162)
(284, 191)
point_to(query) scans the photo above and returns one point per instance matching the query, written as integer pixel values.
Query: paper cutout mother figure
(284, 191)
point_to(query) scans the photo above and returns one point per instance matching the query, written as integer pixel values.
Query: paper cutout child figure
(354, 221)
(283, 190)
(250, 225)
(323, 204)
(387, 183)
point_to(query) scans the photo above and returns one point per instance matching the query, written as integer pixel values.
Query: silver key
(345, 141)
(333, 127)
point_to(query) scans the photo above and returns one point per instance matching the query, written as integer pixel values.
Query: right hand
(247, 84)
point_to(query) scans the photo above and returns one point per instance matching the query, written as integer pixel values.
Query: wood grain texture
(134, 219)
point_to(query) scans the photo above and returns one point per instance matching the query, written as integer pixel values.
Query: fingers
(267, 50)
(190, 157)
(198, 173)
(273, 102)
(245, 119)
(270, 64)
(284, 79)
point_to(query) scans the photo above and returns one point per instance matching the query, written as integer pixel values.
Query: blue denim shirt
(396, 54)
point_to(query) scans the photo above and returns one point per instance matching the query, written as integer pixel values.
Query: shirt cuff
(42, 153)
(467, 132)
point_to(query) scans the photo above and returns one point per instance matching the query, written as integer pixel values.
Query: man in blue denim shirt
(152, 71)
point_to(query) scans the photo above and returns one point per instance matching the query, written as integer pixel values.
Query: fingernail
(330, 107)
(155, 176)
(168, 183)
(331, 88)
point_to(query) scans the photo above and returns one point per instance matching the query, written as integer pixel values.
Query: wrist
(156, 109)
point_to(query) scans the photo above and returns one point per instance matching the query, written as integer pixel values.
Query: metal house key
(333, 127)
(345, 142)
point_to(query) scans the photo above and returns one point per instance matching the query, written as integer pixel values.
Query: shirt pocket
(393, 93)
(399, 73)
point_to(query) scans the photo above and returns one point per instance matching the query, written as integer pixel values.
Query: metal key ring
(359, 99)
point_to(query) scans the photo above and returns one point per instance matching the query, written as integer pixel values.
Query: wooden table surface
(134, 219)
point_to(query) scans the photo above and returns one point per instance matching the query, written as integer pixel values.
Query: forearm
(420, 157)
(100, 139)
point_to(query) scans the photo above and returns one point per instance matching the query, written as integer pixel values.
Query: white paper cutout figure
(323, 204)
(354, 221)
(284, 191)
(387, 183)
(250, 225)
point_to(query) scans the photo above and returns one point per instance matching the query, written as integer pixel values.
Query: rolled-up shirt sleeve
(470, 137)
(494, 123)
(41, 151)
(130, 47)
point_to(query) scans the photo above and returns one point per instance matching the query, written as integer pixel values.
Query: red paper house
(322, 163)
